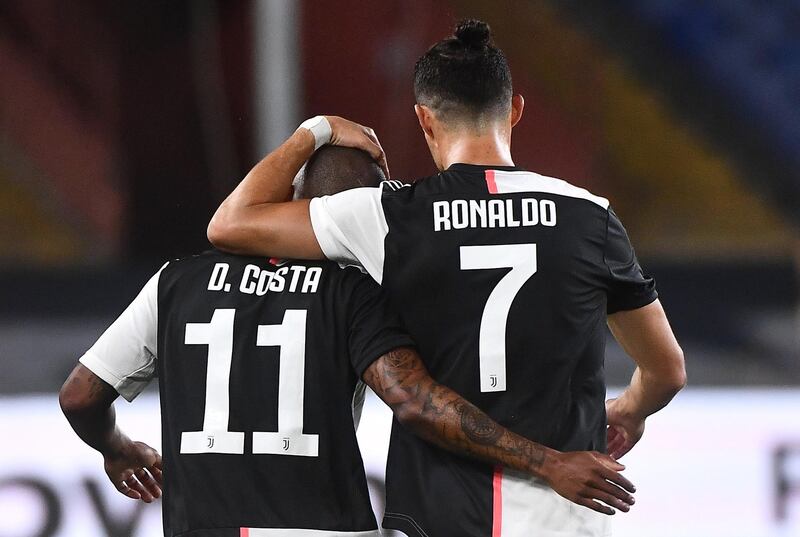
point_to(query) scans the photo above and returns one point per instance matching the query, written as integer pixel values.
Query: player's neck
(491, 149)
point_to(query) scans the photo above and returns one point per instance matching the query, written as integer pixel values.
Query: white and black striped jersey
(258, 368)
(504, 278)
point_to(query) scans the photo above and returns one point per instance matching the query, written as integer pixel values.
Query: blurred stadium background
(124, 124)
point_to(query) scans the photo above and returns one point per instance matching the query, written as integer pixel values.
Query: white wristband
(320, 128)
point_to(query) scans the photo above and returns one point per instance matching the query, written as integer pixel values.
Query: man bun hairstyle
(465, 77)
(474, 34)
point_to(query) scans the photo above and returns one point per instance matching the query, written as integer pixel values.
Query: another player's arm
(256, 217)
(646, 336)
(88, 404)
(439, 415)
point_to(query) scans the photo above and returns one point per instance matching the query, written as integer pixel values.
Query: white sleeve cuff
(329, 236)
(124, 356)
(128, 386)
(351, 227)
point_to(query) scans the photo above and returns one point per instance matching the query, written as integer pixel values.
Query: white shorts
(525, 506)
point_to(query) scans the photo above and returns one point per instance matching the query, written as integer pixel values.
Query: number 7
(521, 259)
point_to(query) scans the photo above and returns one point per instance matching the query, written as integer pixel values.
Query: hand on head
(346, 133)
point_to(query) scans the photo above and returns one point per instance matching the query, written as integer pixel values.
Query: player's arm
(646, 336)
(257, 219)
(121, 362)
(439, 415)
(88, 404)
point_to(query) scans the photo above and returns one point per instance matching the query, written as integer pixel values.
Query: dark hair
(332, 169)
(464, 76)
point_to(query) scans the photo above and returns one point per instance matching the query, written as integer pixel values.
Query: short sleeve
(124, 356)
(374, 328)
(628, 286)
(351, 227)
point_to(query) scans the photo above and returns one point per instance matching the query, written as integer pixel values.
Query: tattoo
(401, 359)
(397, 367)
(534, 453)
(440, 415)
(97, 386)
(85, 386)
(478, 427)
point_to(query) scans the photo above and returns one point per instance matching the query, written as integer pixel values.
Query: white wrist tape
(320, 128)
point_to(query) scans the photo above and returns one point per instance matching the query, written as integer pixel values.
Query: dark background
(123, 125)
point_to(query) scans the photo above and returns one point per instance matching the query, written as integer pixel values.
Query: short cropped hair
(332, 169)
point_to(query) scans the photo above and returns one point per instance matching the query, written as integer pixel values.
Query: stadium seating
(747, 53)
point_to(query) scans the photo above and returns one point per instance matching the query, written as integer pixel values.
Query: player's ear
(517, 106)
(425, 117)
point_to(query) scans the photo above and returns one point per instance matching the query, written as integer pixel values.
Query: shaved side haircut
(465, 77)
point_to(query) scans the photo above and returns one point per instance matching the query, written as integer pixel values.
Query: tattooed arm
(88, 403)
(442, 417)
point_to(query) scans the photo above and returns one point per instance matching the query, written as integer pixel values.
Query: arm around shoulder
(257, 218)
(441, 416)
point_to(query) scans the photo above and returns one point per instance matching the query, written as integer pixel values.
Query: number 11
(215, 437)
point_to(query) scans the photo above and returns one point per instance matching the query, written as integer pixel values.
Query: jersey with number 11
(259, 367)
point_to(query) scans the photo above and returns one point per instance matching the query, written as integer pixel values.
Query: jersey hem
(277, 532)
(379, 352)
(630, 305)
(404, 523)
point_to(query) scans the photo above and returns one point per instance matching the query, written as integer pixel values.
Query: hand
(349, 134)
(624, 430)
(135, 470)
(583, 477)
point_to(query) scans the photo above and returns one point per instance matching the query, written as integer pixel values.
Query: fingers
(132, 488)
(155, 470)
(621, 449)
(149, 483)
(608, 462)
(611, 494)
(349, 134)
(617, 479)
(141, 485)
(610, 499)
(615, 440)
(123, 487)
(594, 506)
(612, 435)
(376, 151)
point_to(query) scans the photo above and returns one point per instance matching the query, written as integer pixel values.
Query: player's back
(257, 382)
(504, 278)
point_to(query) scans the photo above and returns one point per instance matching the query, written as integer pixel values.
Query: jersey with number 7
(504, 278)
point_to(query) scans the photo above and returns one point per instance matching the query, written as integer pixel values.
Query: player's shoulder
(392, 185)
(184, 266)
(348, 275)
(393, 191)
(206, 257)
(521, 181)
